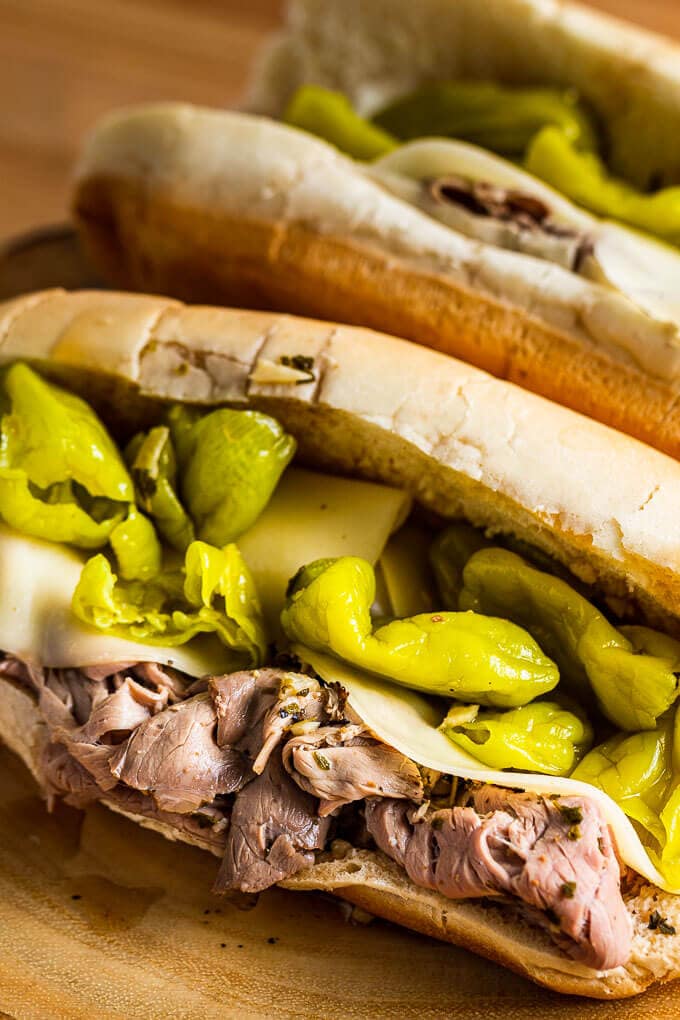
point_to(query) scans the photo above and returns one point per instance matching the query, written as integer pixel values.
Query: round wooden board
(100, 918)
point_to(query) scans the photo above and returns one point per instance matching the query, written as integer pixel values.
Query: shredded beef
(341, 764)
(522, 845)
(275, 829)
(175, 757)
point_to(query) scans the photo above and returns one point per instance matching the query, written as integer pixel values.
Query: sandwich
(351, 616)
(496, 180)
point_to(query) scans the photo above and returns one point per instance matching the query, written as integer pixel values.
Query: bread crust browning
(150, 242)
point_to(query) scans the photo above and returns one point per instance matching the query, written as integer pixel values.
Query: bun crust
(223, 208)
(507, 460)
(501, 456)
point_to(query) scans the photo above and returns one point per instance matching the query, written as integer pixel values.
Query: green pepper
(214, 593)
(640, 772)
(635, 771)
(329, 115)
(541, 737)
(633, 689)
(152, 462)
(670, 819)
(473, 658)
(449, 553)
(136, 547)
(651, 642)
(61, 476)
(584, 178)
(230, 463)
(495, 117)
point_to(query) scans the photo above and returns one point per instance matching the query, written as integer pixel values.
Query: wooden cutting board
(102, 919)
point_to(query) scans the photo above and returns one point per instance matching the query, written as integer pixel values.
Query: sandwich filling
(268, 767)
(277, 663)
(518, 169)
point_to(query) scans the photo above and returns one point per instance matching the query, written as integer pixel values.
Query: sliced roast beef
(212, 763)
(162, 678)
(275, 829)
(555, 855)
(241, 702)
(341, 764)
(67, 778)
(175, 757)
(117, 715)
(76, 692)
(206, 827)
(256, 708)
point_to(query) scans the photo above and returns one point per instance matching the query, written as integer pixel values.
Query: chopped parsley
(568, 889)
(571, 815)
(302, 363)
(659, 923)
(322, 761)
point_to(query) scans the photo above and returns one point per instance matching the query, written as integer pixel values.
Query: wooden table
(65, 62)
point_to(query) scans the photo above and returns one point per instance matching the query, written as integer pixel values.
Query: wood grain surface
(65, 62)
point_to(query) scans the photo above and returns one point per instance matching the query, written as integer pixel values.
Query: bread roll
(211, 207)
(505, 458)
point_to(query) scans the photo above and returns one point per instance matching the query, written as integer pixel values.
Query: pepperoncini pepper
(449, 553)
(230, 463)
(153, 465)
(632, 688)
(493, 116)
(61, 475)
(329, 115)
(214, 593)
(540, 737)
(472, 657)
(584, 178)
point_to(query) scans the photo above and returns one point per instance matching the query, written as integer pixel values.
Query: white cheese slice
(313, 516)
(37, 581)
(406, 571)
(439, 157)
(408, 722)
(310, 516)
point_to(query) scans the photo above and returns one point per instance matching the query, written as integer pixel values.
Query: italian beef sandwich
(496, 180)
(352, 616)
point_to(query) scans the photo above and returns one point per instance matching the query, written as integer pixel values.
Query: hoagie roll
(351, 615)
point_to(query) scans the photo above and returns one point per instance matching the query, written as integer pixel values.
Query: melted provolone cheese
(310, 516)
(313, 516)
(37, 581)
(408, 722)
(406, 572)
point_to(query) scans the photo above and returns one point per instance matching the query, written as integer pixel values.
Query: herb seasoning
(659, 923)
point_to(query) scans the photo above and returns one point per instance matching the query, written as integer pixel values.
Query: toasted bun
(503, 457)
(463, 443)
(226, 208)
